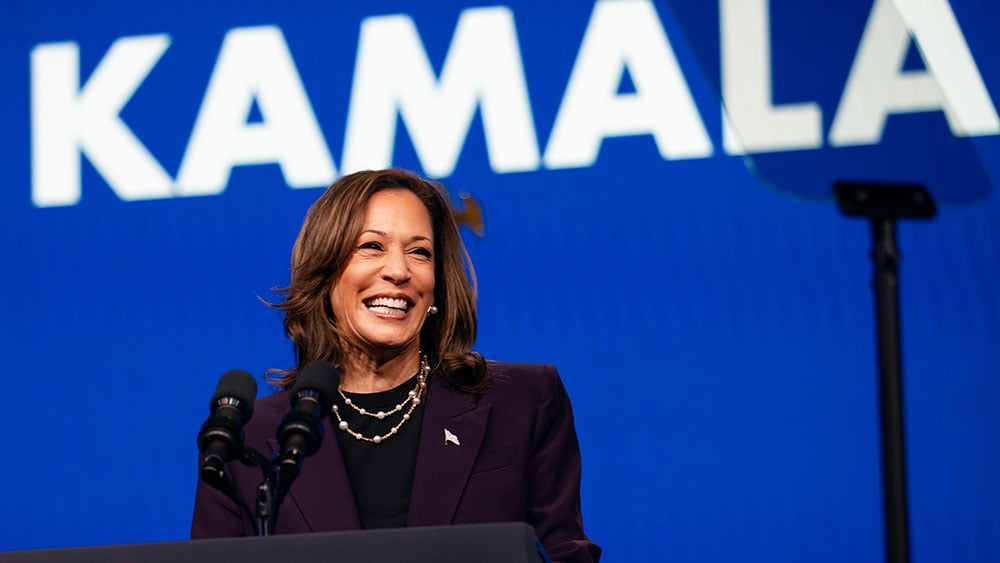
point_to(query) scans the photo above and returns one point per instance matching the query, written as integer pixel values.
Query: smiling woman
(382, 234)
(427, 431)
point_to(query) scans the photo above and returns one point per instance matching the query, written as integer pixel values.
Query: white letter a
(254, 64)
(878, 87)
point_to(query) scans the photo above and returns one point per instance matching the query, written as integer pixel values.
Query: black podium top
(485, 543)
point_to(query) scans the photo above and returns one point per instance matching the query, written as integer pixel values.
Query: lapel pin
(449, 437)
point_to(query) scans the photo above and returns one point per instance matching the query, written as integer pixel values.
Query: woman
(423, 431)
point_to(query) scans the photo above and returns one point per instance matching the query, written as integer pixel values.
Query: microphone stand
(265, 509)
(883, 204)
(270, 492)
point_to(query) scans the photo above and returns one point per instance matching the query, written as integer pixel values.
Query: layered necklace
(410, 403)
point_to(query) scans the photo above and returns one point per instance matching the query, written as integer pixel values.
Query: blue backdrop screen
(654, 182)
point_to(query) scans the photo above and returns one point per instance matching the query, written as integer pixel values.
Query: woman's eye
(371, 245)
(426, 253)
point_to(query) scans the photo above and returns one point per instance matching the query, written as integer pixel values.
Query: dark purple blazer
(518, 460)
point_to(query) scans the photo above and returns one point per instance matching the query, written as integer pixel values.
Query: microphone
(301, 430)
(221, 437)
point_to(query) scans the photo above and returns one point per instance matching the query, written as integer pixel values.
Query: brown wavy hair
(325, 244)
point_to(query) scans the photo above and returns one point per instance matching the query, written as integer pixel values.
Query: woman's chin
(390, 343)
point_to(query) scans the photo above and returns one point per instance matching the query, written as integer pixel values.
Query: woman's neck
(365, 373)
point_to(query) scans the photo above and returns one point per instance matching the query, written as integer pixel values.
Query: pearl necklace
(413, 398)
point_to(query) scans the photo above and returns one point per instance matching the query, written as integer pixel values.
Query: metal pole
(886, 257)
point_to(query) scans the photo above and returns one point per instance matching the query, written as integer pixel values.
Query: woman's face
(381, 299)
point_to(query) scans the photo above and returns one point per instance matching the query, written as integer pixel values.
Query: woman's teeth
(388, 305)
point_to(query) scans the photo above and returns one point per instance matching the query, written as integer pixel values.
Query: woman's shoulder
(519, 371)
(275, 401)
(267, 411)
(535, 380)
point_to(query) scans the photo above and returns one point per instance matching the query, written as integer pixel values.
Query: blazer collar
(452, 433)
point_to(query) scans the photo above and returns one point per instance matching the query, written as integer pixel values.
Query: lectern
(483, 543)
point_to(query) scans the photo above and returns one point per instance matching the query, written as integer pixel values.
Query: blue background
(714, 329)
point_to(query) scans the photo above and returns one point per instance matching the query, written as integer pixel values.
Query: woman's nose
(396, 269)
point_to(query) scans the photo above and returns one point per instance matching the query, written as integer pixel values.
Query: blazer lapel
(452, 432)
(322, 491)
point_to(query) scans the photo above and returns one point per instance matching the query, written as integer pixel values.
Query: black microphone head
(238, 386)
(318, 376)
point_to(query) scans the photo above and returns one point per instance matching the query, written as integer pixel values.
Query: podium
(483, 543)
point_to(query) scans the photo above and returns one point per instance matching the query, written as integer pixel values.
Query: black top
(381, 474)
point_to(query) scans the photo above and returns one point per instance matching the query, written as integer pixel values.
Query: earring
(432, 310)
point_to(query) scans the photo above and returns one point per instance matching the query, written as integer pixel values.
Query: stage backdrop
(707, 306)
